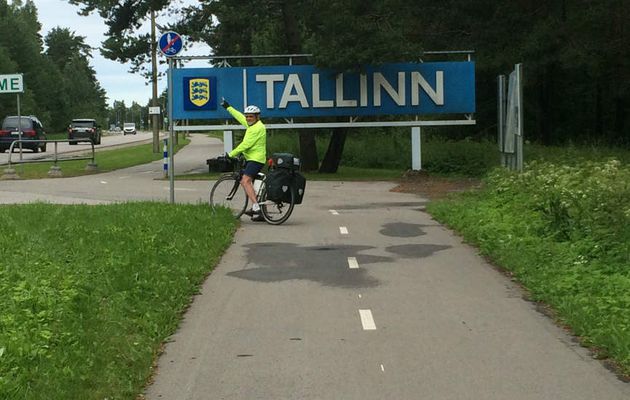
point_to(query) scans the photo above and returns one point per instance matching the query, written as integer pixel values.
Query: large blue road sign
(305, 91)
(170, 43)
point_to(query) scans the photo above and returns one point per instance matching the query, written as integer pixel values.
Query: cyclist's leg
(246, 182)
(250, 172)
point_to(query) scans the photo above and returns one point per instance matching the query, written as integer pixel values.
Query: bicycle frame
(237, 182)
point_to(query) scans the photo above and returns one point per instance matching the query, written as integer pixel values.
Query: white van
(129, 128)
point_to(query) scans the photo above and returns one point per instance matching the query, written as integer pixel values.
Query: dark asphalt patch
(328, 266)
(401, 229)
(416, 250)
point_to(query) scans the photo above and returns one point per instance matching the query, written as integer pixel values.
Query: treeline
(119, 113)
(576, 53)
(59, 83)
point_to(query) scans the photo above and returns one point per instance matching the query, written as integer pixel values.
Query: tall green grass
(564, 231)
(88, 293)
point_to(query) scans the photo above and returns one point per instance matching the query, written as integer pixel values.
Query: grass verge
(564, 233)
(88, 293)
(107, 160)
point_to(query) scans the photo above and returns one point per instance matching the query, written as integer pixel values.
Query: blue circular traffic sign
(170, 43)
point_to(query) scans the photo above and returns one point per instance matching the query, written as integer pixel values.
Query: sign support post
(19, 124)
(228, 140)
(171, 169)
(14, 83)
(170, 44)
(416, 149)
(519, 133)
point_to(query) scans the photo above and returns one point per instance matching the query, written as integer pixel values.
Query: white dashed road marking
(352, 263)
(333, 212)
(367, 320)
(182, 189)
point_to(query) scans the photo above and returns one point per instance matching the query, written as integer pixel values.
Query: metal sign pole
(171, 169)
(19, 124)
(519, 85)
(501, 110)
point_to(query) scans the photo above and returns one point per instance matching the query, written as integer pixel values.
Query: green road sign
(11, 83)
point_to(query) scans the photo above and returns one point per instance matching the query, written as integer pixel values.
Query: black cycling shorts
(252, 168)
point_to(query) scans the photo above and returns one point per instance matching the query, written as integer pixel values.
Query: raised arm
(234, 112)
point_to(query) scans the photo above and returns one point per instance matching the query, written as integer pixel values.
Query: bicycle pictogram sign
(170, 43)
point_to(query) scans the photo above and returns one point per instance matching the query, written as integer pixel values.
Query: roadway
(360, 295)
(108, 141)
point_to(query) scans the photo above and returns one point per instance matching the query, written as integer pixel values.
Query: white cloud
(113, 76)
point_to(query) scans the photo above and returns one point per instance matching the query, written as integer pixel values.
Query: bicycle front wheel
(228, 192)
(276, 212)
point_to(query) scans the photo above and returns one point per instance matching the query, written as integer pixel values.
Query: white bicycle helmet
(251, 110)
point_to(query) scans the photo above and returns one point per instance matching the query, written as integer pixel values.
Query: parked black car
(84, 128)
(32, 130)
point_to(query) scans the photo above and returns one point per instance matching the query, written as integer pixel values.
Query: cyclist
(254, 149)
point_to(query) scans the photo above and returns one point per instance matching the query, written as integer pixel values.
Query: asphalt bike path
(359, 295)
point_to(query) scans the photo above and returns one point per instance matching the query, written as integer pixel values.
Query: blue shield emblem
(200, 93)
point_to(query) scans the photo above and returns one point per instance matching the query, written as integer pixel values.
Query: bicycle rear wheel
(229, 193)
(276, 212)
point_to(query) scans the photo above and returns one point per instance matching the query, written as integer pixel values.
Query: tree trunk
(331, 160)
(308, 150)
(291, 29)
(308, 146)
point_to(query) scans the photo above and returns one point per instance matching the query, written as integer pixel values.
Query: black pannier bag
(299, 185)
(220, 164)
(278, 183)
(286, 161)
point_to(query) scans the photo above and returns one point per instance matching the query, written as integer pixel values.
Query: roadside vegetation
(562, 229)
(106, 159)
(86, 305)
(89, 293)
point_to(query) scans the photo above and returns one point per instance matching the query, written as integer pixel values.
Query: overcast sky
(113, 76)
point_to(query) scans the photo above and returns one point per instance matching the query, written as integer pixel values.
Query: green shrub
(390, 148)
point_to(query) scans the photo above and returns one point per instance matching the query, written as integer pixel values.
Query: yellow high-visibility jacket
(254, 144)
